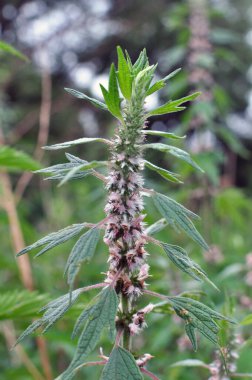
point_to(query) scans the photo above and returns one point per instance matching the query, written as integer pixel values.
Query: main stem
(124, 229)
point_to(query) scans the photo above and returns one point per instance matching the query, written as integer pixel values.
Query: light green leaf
(11, 50)
(20, 304)
(141, 63)
(75, 172)
(121, 366)
(170, 176)
(156, 227)
(82, 251)
(80, 95)
(198, 316)
(55, 238)
(14, 160)
(178, 216)
(167, 135)
(83, 140)
(177, 152)
(99, 315)
(180, 258)
(111, 96)
(247, 320)
(173, 106)
(124, 74)
(190, 363)
(53, 311)
(161, 83)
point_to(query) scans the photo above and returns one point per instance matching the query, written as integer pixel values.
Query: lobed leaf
(99, 315)
(54, 310)
(173, 106)
(174, 151)
(170, 176)
(82, 251)
(180, 258)
(198, 316)
(161, 83)
(178, 216)
(121, 366)
(124, 74)
(80, 95)
(69, 144)
(55, 238)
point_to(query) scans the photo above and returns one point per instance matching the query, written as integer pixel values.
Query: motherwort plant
(115, 307)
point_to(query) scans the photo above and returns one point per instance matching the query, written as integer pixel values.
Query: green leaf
(99, 315)
(180, 258)
(111, 96)
(55, 238)
(161, 83)
(178, 216)
(170, 176)
(124, 74)
(20, 304)
(80, 95)
(83, 140)
(121, 366)
(76, 171)
(198, 316)
(173, 106)
(190, 363)
(167, 135)
(53, 311)
(176, 152)
(15, 160)
(156, 227)
(247, 320)
(141, 63)
(82, 251)
(11, 50)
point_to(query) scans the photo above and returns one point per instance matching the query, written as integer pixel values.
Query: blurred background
(71, 44)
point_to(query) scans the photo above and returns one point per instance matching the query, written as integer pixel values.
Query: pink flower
(143, 272)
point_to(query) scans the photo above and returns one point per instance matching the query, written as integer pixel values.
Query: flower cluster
(138, 320)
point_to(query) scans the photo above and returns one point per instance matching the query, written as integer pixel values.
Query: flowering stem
(149, 374)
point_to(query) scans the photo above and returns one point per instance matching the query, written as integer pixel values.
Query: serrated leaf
(75, 172)
(82, 251)
(83, 140)
(190, 332)
(170, 176)
(54, 310)
(15, 160)
(156, 227)
(173, 106)
(180, 258)
(80, 95)
(161, 83)
(190, 363)
(174, 151)
(7, 48)
(167, 135)
(121, 366)
(100, 315)
(198, 316)
(20, 304)
(124, 74)
(55, 238)
(179, 216)
(111, 96)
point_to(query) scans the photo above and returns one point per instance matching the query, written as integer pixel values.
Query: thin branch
(118, 337)
(8, 330)
(149, 374)
(99, 176)
(44, 123)
(90, 364)
(154, 294)
(96, 286)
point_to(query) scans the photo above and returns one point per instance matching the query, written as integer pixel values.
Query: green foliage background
(222, 196)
